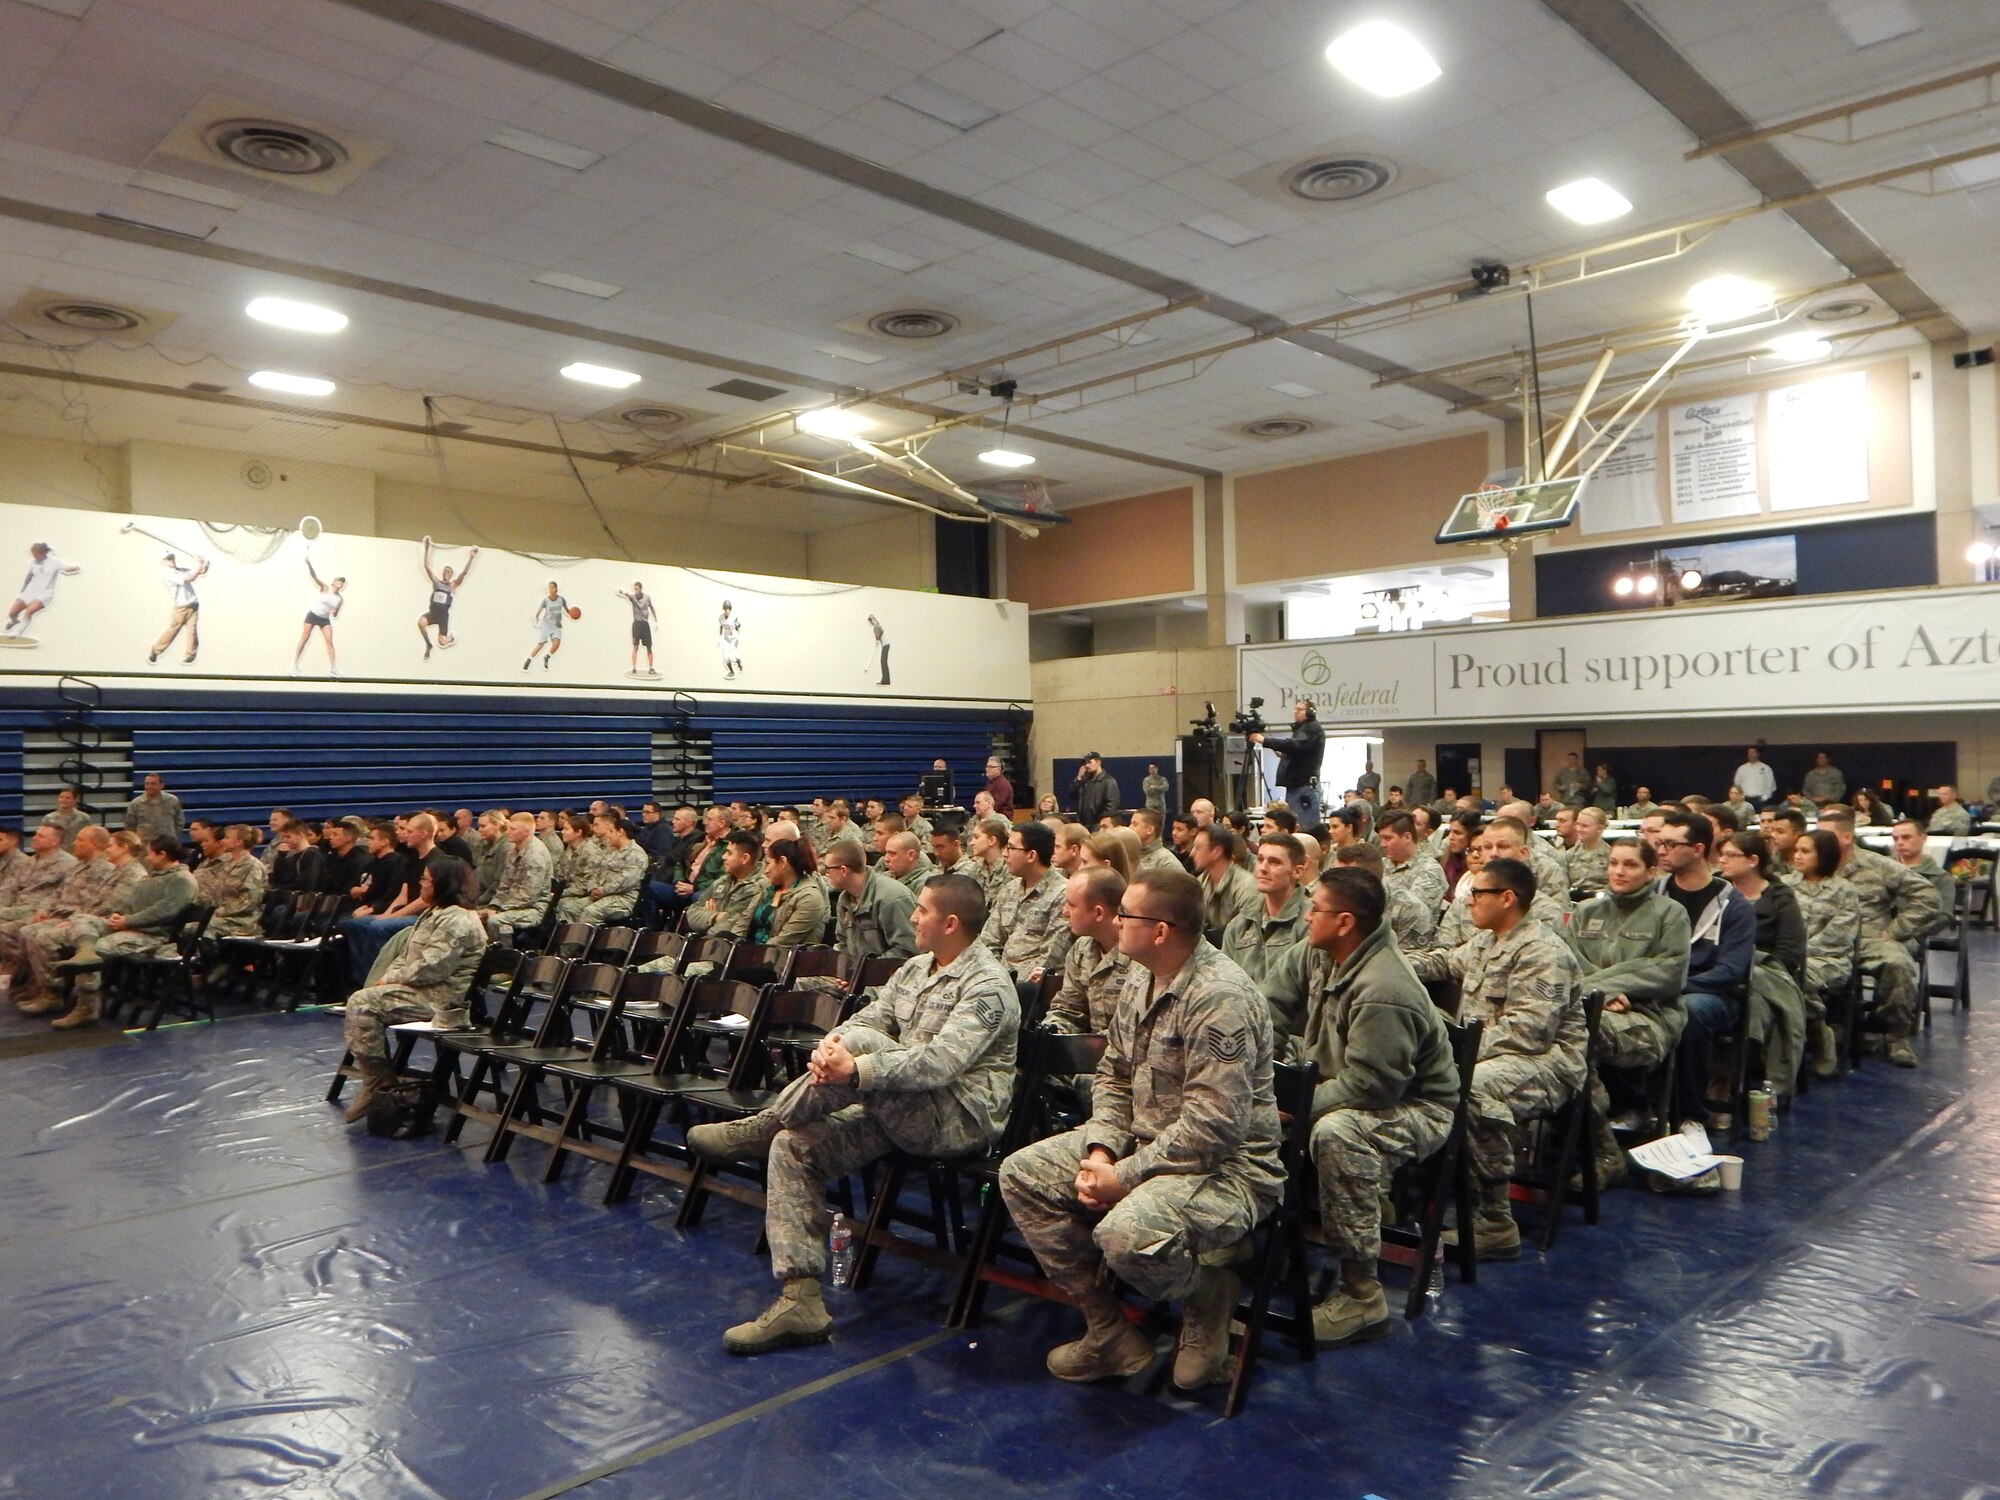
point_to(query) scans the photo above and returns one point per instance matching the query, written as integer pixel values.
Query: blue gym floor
(215, 1288)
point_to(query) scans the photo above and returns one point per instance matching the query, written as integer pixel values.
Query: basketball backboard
(1496, 512)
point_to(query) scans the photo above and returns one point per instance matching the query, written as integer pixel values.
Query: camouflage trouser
(1506, 1090)
(1355, 1150)
(245, 924)
(516, 919)
(1824, 976)
(1155, 1239)
(605, 910)
(1631, 1039)
(45, 942)
(831, 1130)
(12, 920)
(1895, 974)
(119, 945)
(372, 1011)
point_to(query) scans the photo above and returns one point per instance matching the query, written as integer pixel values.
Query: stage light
(1690, 580)
(1648, 584)
(291, 385)
(1623, 587)
(599, 375)
(832, 422)
(301, 317)
(1588, 201)
(1382, 58)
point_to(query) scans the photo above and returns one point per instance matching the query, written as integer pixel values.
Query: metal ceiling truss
(1981, 82)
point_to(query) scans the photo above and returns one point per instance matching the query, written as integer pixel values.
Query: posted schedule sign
(1714, 448)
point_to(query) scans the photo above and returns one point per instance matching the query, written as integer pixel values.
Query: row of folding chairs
(292, 961)
(154, 984)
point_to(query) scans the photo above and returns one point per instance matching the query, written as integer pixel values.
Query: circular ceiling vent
(256, 474)
(913, 323)
(1495, 382)
(654, 417)
(91, 317)
(1339, 179)
(1841, 312)
(275, 146)
(1278, 427)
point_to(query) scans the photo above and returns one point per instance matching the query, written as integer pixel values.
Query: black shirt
(387, 875)
(1697, 901)
(343, 872)
(457, 848)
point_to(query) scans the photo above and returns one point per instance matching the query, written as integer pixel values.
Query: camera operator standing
(1096, 792)
(1298, 761)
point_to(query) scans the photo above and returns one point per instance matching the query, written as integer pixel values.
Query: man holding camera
(1096, 792)
(1299, 756)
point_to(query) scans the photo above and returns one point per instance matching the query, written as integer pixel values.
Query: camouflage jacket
(97, 888)
(1524, 986)
(1413, 924)
(1092, 983)
(1023, 924)
(618, 872)
(1896, 902)
(1832, 913)
(13, 866)
(725, 910)
(1635, 946)
(951, 1029)
(525, 873)
(68, 823)
(1585, 868)
(1185, 1083)
(439, 959)
(156, 901)
(234, 885)
(1235, 897)
(42, 878)
(1421, 876)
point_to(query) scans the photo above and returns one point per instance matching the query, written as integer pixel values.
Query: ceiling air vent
(1279, 427)
(1841, 312)
(93, 317)
(206, 387)
(913, 323)
(244, 137)
(653, 418)
(1495, 383)
(1339, 179)
(99, 317)
(747, 390)
(274, 146)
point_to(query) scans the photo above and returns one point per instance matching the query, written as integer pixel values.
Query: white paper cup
(1731, 1168)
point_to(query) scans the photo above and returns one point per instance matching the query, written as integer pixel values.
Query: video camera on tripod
(1247, 720)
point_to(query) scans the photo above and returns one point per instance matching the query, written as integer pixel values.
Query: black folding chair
(177, 977)
(1279, 1247)
(657, 996)
(496, 964)
(539, 981)
(591, 986)
(612, 945)
(1572, 1127)
(1444, 1176)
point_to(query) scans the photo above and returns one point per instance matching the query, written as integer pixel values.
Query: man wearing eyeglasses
(1520, 979)
(1389, 1080)
(1723, 930)
(1179, 1159)
(1027, 917)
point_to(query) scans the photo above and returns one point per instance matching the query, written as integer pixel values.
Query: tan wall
(43, 471)
(1141, 547)
(898, 552)
(174, 479)
(1131, 704)
(1347, 515)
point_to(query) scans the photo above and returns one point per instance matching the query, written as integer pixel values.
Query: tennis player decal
(643, 618)
(180, 571)
(331, 595)
(444, 592)
(38, 592)
(550, 611)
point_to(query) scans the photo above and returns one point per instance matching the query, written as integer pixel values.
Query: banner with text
(108, 595)
(1925, 649)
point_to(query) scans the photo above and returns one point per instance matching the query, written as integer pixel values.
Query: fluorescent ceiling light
(180, 187)
(1588, 201)
(1721, 298)
(300, 317)
(1867, 22)
(600, 375)
(562, 281)
(881, 255)
(543, 149)
(1222, 227)
(1006, 458)
(832, 422)
(942, 104)
(843, 351)
(292, 385)
(1382, 58)
(1293, 389)
(1800, 347)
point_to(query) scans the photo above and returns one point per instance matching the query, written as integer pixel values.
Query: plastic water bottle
(1759, 1100)
(840, 1250)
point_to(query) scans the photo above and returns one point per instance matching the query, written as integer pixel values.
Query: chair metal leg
(886, 1193)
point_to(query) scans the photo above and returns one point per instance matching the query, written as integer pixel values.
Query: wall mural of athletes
(161, 598)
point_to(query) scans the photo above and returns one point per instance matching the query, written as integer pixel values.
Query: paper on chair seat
(733, 1021)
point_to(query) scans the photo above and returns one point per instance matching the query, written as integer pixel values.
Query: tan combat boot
(83, 1013)
(1110, 1349)
(747, 1139)
(1203, 1355)
(799, 1316)
(375, 1071)
(34, 1001)
(1356, 1313)
(1495, 1235)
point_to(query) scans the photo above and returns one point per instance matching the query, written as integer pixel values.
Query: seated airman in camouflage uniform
(616, 873)
(725, 910)
(429, 980)
(576, 866)
(1388, 1081)
(1899, 908)
(1517, 977)
(871, 911)
(233, 883)
(927, 1067)
(1179, 1159)
(905, 862)
(1025, 927)
(1832, 914)
(1406, 866)
(1584, 861)
(1632, 945)
(33, 884)
(1255, 940)
(526, 870)
(144, 924)
(100, 885)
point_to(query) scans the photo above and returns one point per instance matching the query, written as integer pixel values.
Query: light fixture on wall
(1657, 580)
(1984, 556)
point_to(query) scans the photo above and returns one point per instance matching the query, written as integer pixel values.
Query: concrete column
(1225, 609)
(1951, 393)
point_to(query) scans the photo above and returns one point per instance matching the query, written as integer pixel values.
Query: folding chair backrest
(193, 926)
(1067, 1056)
(655, 945)
(761, 963)
(815, 963)
(1045, 991)
(1465, 1053)
(593, 984)
(325, 914)
(292, 911)
(1293, 1084)
(613, 945)
(719, 951)
(872, 972)
(710, 998)
(497, 966)
(571, 939)
(647, 993)
(539, 981)
(793, 1021)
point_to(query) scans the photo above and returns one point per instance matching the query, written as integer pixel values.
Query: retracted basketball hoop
(1505, 513)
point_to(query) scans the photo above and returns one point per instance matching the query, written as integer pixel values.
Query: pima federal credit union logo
(1314, 671)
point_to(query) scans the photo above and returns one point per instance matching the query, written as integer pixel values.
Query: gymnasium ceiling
(740, 186)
